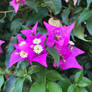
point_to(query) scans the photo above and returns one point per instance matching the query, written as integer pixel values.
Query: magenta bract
(16, 3)
(58, 35)
(1, 42)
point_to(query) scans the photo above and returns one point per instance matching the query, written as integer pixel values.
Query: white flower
(23, 54)
(38, 49)
(22, 43)
(71, 43)
(36, 41)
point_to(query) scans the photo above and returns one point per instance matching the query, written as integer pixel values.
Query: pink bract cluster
(33, 47)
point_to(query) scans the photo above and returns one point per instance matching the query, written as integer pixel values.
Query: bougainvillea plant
(46, 46)
(33, 48)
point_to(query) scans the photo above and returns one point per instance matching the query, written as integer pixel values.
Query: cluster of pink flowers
(33, 47)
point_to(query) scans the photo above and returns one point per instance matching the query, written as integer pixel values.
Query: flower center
(58, 35)
(22, 43)
(36, 41)
(38, 49)
(23, 54)
(17, 1)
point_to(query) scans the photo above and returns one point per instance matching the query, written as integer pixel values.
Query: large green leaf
(19, 84)
(65, 16)
(83, 90)
(34, 69)
(84, 16)
(79, 32)
(64, 84)
(88, 3)
(78, 76)
(89, 25)
(54, 5)
(16, 25)
(10, 85)
(73, 88)
(37, 87)
(53, 87)
(53, 75)
(31, 4)
(37, 16)
(85, 82)
(55, 54)
(1, 80)
(9, 51)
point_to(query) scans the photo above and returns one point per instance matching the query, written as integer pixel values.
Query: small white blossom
(38, 49)
(23, 54)
(22, 43)
(36, 41)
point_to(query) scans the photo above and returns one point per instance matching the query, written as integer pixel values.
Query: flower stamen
(23, 54)
(38, 49)
(37, 41)
(22, 43)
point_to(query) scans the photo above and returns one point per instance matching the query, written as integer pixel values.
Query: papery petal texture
(58, 35)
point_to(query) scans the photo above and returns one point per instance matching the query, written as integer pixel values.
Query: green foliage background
(25, 78)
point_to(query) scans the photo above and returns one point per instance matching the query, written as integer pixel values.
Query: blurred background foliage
(22, 77)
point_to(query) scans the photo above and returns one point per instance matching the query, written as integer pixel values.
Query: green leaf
(79, 32)
(55, 54)
(34, 69)
(22, 64)
(84, 16)
(10, 85)
(20, 72)
(83, 90)
(78, 76)
(88, 3)
(64, 84)
(53, 87)
(85, 82)
(16, 25)
(9, 51)
(53, 75)
(73, 88)
(40, 76)
(37, 87)
(54, 5)
(24, 27)
(34, 17)
(65, 16)
(89, 25)
(1, 80)
(19, 84)
(31, 4)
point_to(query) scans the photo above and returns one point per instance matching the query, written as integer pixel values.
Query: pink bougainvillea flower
(32, 49)
(16, 3)
(68, 57)
(1, 42)
(58, 35)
